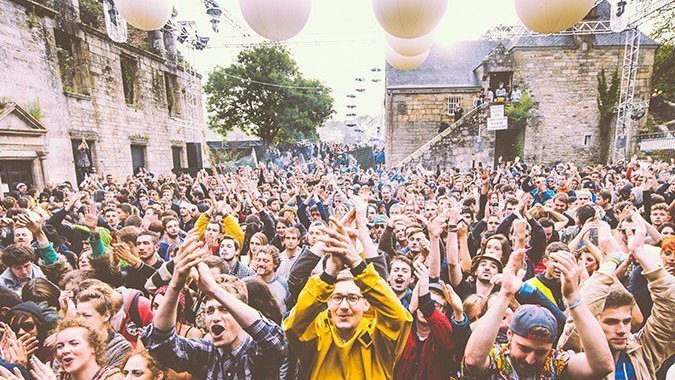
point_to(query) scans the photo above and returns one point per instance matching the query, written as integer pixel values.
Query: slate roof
(453, 67)
(444, 68)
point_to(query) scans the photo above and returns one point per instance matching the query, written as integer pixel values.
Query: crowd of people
(306, 267)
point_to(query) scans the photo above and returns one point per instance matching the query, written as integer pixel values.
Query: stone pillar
(38, 172)
(156, 42)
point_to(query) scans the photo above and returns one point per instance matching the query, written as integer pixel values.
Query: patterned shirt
(501, 368)
(259, 356)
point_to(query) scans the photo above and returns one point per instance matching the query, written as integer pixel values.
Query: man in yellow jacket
(364, 329)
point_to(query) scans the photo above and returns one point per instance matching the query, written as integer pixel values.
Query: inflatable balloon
(276, 20)
(145, 14)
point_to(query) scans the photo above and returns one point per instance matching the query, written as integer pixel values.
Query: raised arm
(597, 360)
(188, 256)
(476, 355)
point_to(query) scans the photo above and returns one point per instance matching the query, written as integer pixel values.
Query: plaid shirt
(259, 356)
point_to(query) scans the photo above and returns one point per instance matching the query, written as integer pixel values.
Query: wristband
(615, 259)
(576, 303)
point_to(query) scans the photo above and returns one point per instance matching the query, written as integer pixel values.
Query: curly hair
(95, 338)
(273, 252)
(17, 254)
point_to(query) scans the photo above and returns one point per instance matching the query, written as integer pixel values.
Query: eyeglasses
(352, 299)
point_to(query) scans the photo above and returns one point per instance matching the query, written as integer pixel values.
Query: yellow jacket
(230, 227)
(373, 350)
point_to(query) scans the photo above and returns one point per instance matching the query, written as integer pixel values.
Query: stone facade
(414, 117)
(561, 78)
(465, 143)
(563, 83)
(72, 76)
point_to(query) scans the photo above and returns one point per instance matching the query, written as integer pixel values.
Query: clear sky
(341, 41)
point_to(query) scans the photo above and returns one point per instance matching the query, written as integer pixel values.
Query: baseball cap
(380, 219)
(527, 317)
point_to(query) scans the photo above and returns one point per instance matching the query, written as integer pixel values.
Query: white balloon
(145, 14)
(411, 46)
(409, 18)
(403, 62)
(276, 20)
(552, 16)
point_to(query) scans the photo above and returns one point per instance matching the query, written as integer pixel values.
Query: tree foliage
(664, 66)
(240, 96)
(517, 112)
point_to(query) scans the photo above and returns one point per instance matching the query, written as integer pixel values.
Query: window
(177, 153)
(129, 73)
(137, 157)
(454, 102)
(72, 64)
(194, 155)
(172, 89)
(587, 140)
(402, 109)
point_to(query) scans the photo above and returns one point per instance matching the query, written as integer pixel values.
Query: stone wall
(462, 144)
(414, 117)
(564, 84)
(31, 74)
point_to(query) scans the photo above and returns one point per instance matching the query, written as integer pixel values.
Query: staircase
(463, 142)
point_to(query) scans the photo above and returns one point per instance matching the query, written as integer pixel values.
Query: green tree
(264, 94)
(664, 70)
(608, 98)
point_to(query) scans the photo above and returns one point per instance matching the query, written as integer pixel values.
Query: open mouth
(67, 361)
(398, 281)
(216, 330)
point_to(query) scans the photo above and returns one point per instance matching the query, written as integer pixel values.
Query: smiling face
(73, 350)
(346, 306)
(23, 236)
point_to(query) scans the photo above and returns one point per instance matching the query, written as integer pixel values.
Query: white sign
(618, 21)
(497, 111)
(497, 123)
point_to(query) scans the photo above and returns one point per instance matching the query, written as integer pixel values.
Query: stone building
(558, 72)
(62, 81)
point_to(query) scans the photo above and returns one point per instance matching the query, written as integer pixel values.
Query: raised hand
(91, 217)
(122, 251)
(512, 276)
(30, 344)
(23, 220)
(455, 302)
(437, 226)
(205, 281)
(189, 255)
(422, 273)
(570, 273)
(338, 242)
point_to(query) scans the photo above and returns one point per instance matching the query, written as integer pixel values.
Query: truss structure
(637, 12)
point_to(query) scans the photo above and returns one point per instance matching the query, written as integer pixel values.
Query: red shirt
(428, 359)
